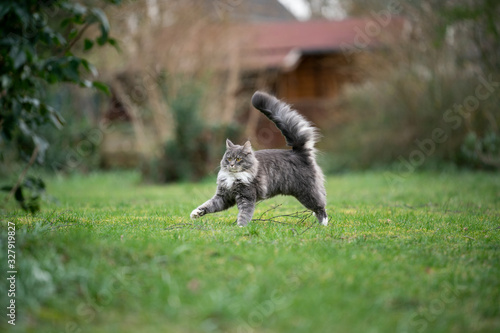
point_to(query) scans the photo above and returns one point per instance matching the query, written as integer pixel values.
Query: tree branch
(77, 38)
(21, 176)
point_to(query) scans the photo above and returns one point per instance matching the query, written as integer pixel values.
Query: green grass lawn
(418, 255)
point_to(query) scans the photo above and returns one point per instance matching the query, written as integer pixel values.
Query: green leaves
(99, 17)
(28, 193)
(36, 42)
(81, 19)
(62, 69)
(102, 87)
(17, 55)
(22, 13)
(89, 67)
(87, 44)
(4, 9)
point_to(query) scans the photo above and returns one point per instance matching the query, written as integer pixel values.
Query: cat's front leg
(216, 204)
(198, 212)
(246, 206)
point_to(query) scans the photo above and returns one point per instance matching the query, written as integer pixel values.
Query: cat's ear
(229, 144)
(247, 146)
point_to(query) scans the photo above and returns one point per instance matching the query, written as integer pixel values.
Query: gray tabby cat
(247, 176)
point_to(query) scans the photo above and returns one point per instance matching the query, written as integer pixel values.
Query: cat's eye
(229, 159)
(238, 159)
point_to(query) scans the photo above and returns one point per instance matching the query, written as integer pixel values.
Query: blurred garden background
(397, 85)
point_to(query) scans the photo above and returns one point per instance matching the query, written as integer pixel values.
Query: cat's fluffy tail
(299, 133)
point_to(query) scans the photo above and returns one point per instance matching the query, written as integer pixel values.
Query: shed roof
(281, 44)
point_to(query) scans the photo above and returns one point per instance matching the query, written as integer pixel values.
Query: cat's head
(238, 158)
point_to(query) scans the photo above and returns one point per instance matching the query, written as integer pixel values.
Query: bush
(197, 146)
(481, 152)
(426, 99)
(37, 41)
(74, 147)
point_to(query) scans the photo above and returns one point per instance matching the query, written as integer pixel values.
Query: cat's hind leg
(315, 200)
(322, 216)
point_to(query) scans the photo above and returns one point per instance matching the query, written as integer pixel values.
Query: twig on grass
(469, 237)
(272, 208)
(305, 217)
(186, 225)
(305, 230)
(302, 215)
(273, 221)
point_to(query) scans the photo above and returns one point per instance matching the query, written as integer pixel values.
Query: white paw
(325, 221)
(196, 213)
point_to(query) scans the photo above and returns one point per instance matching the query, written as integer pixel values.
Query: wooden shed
(306, 64)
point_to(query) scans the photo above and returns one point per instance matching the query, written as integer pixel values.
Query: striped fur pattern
(247, 176)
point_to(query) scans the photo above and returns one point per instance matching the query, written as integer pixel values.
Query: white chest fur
(227, 179)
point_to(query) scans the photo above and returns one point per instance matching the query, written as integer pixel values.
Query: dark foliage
(196, 148)
(37, 39)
